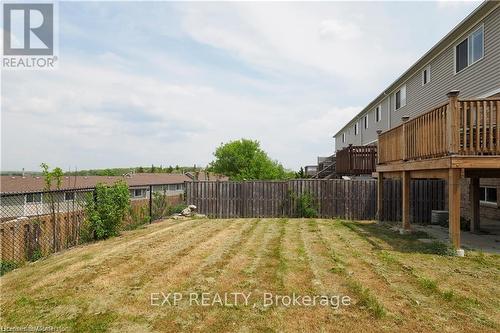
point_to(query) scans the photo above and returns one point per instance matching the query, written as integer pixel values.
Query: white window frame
(66, 199)
(486, 202)
(33, 202)
(356, 128)
(365, 121)
(143, 191)
(469, 50)
(402, 93)
(378, 113)
(428, 70)
(343, 137)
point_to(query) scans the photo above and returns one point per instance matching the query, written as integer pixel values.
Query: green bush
(138, 217)
(105, 211)
(37, 254)
(304, 205)
(6, 266)
(176, 209)
(160, 205)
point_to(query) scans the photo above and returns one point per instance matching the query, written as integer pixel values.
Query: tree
(245, 160)
(301, 174)
(49, 176)
(105, 211)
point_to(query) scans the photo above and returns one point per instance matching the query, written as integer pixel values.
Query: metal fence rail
(35, 224)
(332, 198)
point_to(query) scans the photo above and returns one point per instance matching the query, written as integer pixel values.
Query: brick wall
(485, 210)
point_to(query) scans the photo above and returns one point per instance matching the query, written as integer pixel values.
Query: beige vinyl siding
(365, 136)
(476, 80)
(472, 82)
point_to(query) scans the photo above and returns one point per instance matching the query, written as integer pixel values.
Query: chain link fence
(35, 224)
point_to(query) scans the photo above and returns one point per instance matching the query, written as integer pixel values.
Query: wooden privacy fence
(332, 198)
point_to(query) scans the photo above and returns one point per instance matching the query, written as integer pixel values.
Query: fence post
(452, 122)
(150, 203)
(405, 152)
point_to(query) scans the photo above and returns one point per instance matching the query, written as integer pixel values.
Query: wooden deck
(458, 139)
(356, 160)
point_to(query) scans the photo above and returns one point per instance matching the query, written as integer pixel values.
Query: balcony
(455, 140)
(356, 160)
(461, 128)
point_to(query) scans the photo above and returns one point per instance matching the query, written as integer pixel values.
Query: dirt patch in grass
(395, 282)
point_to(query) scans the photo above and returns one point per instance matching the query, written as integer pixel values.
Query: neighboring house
(310, 170)
(24, 196)
(207, 176)
(468, 60)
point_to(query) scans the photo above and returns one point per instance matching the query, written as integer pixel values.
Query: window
(378, 113)
(426, 75)
(461, 55)
(343, 137)
(488, 195)
(366, 121)
(34, 198)
(470, 50)
(69, 196)
(138, 193)
(356, 129)
(400, 97)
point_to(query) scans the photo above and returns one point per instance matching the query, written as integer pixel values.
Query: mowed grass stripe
(356, 257)
(214, 265)
(89, 287)
(103, 288)
(298, 278)
(59, 265)
(123, 268)
(364, 297)
(238, 276)
(330, 281)
(424, 293)
(191, 255)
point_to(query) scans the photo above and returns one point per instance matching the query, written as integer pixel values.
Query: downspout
(360, 129)
(389, 112)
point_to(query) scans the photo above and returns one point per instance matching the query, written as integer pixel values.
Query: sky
(165, 83)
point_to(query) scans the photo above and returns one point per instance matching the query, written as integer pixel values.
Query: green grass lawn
(394, 282)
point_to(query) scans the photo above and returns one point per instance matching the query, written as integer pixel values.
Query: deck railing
(356, 160)
(459, 127)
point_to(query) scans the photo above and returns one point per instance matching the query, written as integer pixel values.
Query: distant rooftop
(13, 184)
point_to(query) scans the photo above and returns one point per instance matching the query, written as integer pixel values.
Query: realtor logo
(28, 29)
(29, 35)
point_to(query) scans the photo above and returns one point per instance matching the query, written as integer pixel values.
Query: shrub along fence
(36, 224)
(331, 198)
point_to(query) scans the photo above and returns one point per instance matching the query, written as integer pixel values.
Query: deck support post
(454, 207)
(474, 204)
(406, 201)
(380, 196)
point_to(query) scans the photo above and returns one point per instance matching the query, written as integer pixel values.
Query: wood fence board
(347, 199)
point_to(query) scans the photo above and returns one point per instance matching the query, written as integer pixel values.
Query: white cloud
(301, 39)
(88, 116)
(289, 75)
(338, 30)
